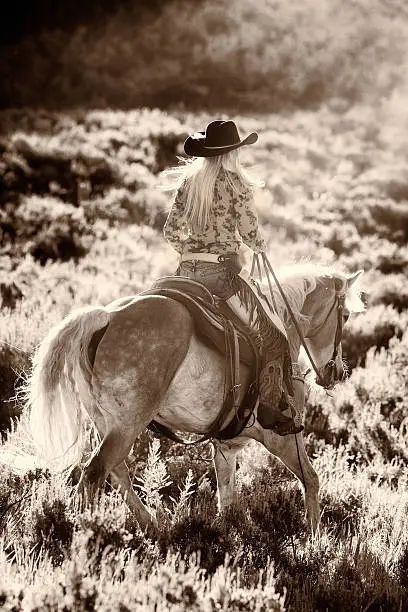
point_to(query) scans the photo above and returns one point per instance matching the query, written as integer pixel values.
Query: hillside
(265, 55)
(81, 221)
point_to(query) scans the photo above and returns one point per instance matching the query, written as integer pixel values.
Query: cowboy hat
(219, 137)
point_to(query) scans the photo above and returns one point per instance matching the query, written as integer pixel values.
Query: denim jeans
(217, 277)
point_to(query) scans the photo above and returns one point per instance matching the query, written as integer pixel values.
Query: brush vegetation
(81, 219)
(205, 54)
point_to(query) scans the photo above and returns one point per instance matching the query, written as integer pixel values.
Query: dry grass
(335, 185)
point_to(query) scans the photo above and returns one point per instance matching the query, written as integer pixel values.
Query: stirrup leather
(270, 384)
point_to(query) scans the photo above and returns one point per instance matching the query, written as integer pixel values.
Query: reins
(269, 270)
(339, 329)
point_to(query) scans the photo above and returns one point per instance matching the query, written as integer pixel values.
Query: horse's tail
(59, 389)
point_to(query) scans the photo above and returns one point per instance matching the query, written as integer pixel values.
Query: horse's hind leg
(123, 482)
(134, 365)
(110, 458)
(118, 437)
(113, 449)
(120, 472)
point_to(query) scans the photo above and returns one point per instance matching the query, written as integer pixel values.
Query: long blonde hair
(197, 176)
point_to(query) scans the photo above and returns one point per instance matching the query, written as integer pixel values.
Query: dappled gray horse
(124, 366)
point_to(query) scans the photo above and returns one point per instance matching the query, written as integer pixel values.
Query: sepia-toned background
(96, 99)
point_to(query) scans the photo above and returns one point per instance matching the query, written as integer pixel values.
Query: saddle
(218, 327)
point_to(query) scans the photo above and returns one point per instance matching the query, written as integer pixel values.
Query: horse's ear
(354, 277)
(338, 284)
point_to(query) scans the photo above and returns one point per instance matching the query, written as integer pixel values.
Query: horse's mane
(300, 279)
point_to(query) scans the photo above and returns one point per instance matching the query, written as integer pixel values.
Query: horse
(122, 365)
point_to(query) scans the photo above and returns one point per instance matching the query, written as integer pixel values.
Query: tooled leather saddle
(217, 326)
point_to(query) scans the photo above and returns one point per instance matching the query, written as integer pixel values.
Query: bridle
(339, 301)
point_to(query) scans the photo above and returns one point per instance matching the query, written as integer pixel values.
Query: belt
(215, 257)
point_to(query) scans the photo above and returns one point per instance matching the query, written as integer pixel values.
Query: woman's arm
(174, 229)
(247, 222)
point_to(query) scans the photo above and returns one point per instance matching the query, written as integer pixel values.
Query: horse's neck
(294, 342)
(296, 298)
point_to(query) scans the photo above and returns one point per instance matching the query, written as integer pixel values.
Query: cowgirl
(212, 213)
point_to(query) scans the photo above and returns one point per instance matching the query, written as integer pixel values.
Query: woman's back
(231, 218)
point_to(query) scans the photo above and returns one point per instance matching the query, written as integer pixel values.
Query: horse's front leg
(225, 463)
(291, 451)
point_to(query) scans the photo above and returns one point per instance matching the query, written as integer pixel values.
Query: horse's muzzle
(331, 375)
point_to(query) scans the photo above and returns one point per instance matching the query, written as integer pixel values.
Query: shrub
(180, 466)
(52, 530)
(378, 254)
(10, 295)
(372, 403)
(391, 219)
(13, 363)
(342, 514)
(383, 217)
(402, 568)
(318, 427)
(375, 327)
(341, 238)
(15, 175)
(344, 588)
(390, 290)
(393, 262)
(357, 437)
(199, 534)
(64, 168)
(113, 207)
(48, 229)
(97, 170)
(102, 530)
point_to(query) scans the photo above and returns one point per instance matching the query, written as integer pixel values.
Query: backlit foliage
(335, 194)
(272, 54)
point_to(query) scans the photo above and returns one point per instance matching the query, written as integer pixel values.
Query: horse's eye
(346, 317)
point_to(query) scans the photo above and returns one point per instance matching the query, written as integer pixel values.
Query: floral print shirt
(233, 219)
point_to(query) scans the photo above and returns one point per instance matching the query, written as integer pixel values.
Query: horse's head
(327, 308)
